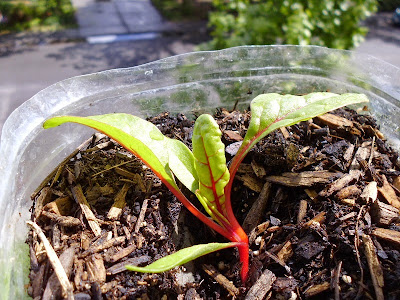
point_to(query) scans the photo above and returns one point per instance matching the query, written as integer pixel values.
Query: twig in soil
(42, 200)
(221, 279)
(370, 171)
(66, 286)
(96, 269)
(251, 181)
(66, 221)
(99, 147)
(384, 214)
(135, 177)
(107, 244)
(374, 267)
(285, 133)
(81, 199)
(356, 243)
(348, 216)
(303, 179)
(341, 183)
(372, 151)
(135, 261)
(312, 194)
(257, 231)
(348, 155)
(139, 222)
(316, 289)
(262, 286)
(334, 121)
(257, 210)
(302, 211)
(120, 254)
(336, 280)
(370, 192)
(119, 203)
(286, 252)
(351, 191)
(319, 218)
(61, 206)
(277, 260)
(258, 169)
(52, 289)
(396, 182)
(362, 153)
(389, 235)
(388, 193)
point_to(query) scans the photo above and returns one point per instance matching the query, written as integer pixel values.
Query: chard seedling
(204, 171)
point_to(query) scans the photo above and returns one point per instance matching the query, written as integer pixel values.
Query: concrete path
(383, 39)
(107, 17)
(30, 69)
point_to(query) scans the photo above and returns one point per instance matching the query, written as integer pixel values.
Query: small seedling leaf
(181, 257)
(272, 111)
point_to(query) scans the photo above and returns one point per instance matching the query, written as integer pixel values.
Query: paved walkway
(107, 17)
(383, 39)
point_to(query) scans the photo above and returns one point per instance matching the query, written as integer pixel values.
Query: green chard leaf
(210, 163)
(181, 257)
(145, 140)
(272, 111)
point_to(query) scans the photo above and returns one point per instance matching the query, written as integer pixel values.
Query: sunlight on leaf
(144, 140)
(210, 162)
(272, 111)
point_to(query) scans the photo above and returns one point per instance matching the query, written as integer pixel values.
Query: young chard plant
(204, 171)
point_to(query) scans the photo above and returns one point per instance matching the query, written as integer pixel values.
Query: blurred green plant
(179, 10)
(330, 23)
(18, 15)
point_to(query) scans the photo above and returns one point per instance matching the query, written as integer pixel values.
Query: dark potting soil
(319, 201)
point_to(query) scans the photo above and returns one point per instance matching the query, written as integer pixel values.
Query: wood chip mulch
(319, 200)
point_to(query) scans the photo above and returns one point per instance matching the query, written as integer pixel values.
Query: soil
(319, 201)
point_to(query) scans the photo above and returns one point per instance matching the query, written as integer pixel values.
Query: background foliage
(36, 14)
(331, 23)
(180, 10)
(388, 5)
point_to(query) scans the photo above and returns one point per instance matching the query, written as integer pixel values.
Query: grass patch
(38, 15)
